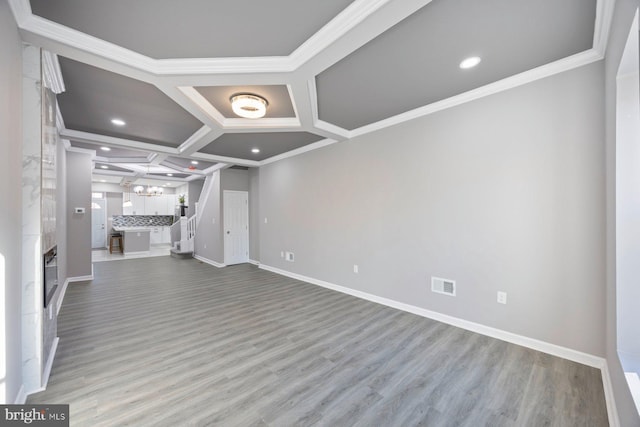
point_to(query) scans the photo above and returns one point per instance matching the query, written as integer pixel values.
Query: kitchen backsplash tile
(142, 220)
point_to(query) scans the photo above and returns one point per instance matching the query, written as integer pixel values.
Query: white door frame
(230, 237)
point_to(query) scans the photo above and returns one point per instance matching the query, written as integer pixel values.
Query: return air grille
(443, 286)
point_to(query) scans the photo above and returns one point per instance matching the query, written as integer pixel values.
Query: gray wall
(209, 243)
(11, 209)
(194, 190)
(78, 225)
(504, 193)
(235, 180)
(623, 15)
(254, 214)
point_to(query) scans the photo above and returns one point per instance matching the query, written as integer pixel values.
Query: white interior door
(98, 223)
(236, 227)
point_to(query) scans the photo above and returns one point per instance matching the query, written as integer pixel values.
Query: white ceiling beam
(224, 159)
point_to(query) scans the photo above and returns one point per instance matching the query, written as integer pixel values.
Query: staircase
(183, 234)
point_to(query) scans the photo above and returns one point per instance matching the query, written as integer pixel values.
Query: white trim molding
(21, 397)
(209, 261)
(52, 73)
(49, 365)
(254, 262)
(609, 397)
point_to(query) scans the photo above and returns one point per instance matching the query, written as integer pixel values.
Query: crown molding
(222, 159)
(602, 27)
(298, 151)
(201, 138)
(335, 29)
(52, 73)
(269, 124)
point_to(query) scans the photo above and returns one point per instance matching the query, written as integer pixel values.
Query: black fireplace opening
(50, 274)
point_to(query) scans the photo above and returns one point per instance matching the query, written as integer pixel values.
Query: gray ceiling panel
(93, 97)
(197, 28)
(114, 152)
(186, 163)
(239, 145)
(415, 63)
(175, 175)
(276, 95)
(112, 168)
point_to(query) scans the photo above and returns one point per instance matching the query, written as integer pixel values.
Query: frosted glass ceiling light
(248, 105)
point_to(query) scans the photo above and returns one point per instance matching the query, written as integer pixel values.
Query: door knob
(228, 232)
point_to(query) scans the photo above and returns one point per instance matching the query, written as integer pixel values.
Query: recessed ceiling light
(248, 105)
(105, 148)
(168, 183)
(103, 180)
(194, 162)
(255, 150)
(104, 167)
(169, 174)
(470, 62)
(118, 122)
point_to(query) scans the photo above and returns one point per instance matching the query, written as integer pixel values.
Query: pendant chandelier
(148, 191)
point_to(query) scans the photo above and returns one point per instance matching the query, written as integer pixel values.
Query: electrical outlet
(265, 220)
(502, 297)
(205, 246)
(289, 256)
(355, 268)
(281, 254)
(213, 220)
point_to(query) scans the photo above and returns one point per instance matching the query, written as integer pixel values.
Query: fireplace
(50, 274)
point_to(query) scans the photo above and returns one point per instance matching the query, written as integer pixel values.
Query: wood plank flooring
(166, 342)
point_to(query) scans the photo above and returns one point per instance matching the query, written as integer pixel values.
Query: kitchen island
(135, 239)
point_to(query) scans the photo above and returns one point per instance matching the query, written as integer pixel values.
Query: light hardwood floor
(166, 342)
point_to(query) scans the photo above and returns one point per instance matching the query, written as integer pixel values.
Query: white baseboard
(21, 398)
(63, 292)
(254, 262)
(545, 347)
(609, 398)
(80, 278)
(208, 261)
(49, 365)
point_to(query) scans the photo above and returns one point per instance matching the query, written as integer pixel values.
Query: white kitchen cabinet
(166, 235)
(150, 205)
(138, 204)
(156, 236)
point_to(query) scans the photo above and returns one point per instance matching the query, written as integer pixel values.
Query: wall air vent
(443, 286)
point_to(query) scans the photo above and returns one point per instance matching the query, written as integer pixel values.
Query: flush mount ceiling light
(470, 62)
(248, 105)
(105, 148)
(118, 122)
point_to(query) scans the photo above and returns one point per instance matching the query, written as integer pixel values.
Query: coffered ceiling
(330, 70)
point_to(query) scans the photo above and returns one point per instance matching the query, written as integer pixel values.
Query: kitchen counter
(135, 239)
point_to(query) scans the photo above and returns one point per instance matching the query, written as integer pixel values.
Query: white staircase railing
(183, 234)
